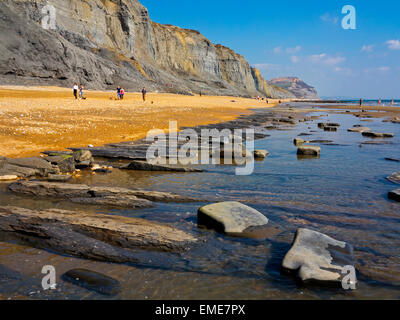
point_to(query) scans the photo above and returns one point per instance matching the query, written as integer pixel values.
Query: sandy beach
(34, 119)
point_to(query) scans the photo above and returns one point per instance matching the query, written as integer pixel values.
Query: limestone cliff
(296, 86)
(102, 43)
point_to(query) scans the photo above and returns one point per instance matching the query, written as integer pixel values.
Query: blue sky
(302, 38)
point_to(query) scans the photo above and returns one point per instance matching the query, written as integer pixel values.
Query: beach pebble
(230, 217)
(317, 258)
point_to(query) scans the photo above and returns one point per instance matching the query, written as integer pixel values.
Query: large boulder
(317, 258)
(230, 217)
(309, 151)
(66, 163)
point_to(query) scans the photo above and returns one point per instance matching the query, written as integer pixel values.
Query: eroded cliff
(103, 43)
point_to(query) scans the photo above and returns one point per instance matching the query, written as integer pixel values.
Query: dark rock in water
(377, 142)
(330, 128)
(90, 235)
(147, 166)
(305, 134)
(92, 280)
(395, 178)
(321, 141)
(59, 177)
(65, 163)
(317, 258)
(322, 125)
(232, 218)
(394, 195)
(102, 170)
(377, 134)
(111, 196)
(309, 151)
(392, 159)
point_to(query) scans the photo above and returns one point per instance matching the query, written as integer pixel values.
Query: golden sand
(34, 119)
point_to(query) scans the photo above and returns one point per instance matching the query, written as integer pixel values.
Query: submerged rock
(330, 128)
(92, 280)
(59, 177)
(392, 159)
(90, 235)
(359, 129)
(309, 150)
(147, 166)
(394, 195)
(317, 258)
(230, 217)
(377, 134)
(111, 196)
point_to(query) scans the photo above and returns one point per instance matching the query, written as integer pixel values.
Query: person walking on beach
(118, 92)
(392, 103)
(144, 91)
(75, 88)
(361, 102)
(121, 93)
(81, 92)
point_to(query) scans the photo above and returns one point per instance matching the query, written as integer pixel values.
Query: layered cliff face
(102, 43)
(296, 86)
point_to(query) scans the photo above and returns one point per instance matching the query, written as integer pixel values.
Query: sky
(303, 38)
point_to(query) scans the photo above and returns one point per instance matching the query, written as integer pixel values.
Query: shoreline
(34, 119)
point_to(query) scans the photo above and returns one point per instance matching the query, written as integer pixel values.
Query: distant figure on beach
(81, 92)
(200, 94)
(392, 103)
(380, 102)
(75, 88)
(122, 93)
(144, 91)
(118, 92)
(361, 102)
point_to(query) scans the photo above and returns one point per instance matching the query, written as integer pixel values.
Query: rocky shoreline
(114, 237)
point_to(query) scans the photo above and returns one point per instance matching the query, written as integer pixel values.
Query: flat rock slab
(395, 178)
(359, 129)
(59, 177)
(393, 159)
(8, 178)
(231, 218)
(394, 195)
(27, 167)
(309, 151)
(94, 281)
(112, 196)
(90, 235)
(317, 258)
(377, 134)
(146, 166)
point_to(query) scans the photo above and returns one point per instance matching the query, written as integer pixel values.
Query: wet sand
(34, 119)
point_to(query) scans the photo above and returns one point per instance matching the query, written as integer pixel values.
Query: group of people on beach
(80, 89)
(120, 92)
(379, 102)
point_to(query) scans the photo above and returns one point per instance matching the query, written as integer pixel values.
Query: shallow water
(343, 194)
